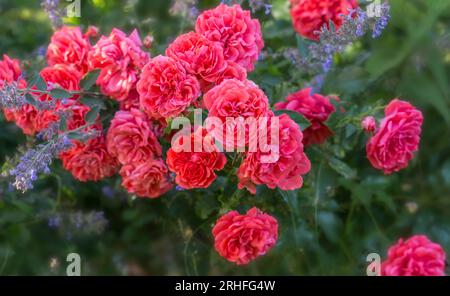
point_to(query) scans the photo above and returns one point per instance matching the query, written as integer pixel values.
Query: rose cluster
(206, 68)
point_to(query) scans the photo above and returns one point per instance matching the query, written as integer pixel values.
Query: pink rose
(315, 108)
(243, 238)
(120, 59)
(147, 179)
(398, 137)
(166, 89)
(70, 47)
(195, 169)
(199, 56)
(131, 102)
(89, 161)
(369, 124)
(235, 99)
(417, 256)
(233, 27)
(130, 138)
(309, 16)
(285, 168)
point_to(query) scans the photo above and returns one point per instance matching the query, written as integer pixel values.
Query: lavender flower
(186, 9)
(382, 21)
(37, 160)
(51, 7)
(11, 97)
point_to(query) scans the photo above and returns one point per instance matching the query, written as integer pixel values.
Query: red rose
(69, 46)
(417, 256)
(314, 107)
(234, 99)
(242, 238)
(199, 56)
(166, 89)
(398, 137)
(89, 161)
(120, 58)
(233, 27)
(195, 169)
(282, 169)
(147, 179)
(130, 137)
(309, 16)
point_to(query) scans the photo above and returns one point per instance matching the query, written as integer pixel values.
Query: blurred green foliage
(345, 210)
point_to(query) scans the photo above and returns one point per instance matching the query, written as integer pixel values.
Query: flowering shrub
(249, 106)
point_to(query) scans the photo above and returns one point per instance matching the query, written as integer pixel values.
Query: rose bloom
(315, 108)
(309, 16)
(130, 137)
(233, 27)
(369, 124)
(283, 169)
(147, 179)
(131, 102)
(398, 137)
(166, 89)
(58, 76)
(69, 46)
(417, 256)
(235, 99)
(243, 238)
(195, 169)
(89, 161)
(199, 56)
(120, 59)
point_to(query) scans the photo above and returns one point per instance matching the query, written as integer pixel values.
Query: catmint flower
(51, 7)
(382, 21)
(37, 160)
(11, 97)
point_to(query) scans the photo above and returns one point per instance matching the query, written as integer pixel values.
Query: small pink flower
(199, 56)
(369, 124)
(315, 108)
(195, 169)
(166, 89)
(130, 137)
(120, 59)
(70, 47)
(243, 238)
(148, 179)
(417, 256)
(89, 161)
(234, 99)
(233, 27)
(398, 137)
(287, 166)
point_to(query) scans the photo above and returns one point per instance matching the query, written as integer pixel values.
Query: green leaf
(92, 115)
(63, 124)
(342, 168)
(60, 94)
(40, 83)
(93, 102)
(89, 79)
(295, 116)
(75, 136)
(302, 46)
(29, 98)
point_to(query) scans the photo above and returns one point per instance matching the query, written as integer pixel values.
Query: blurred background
(346, 209)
